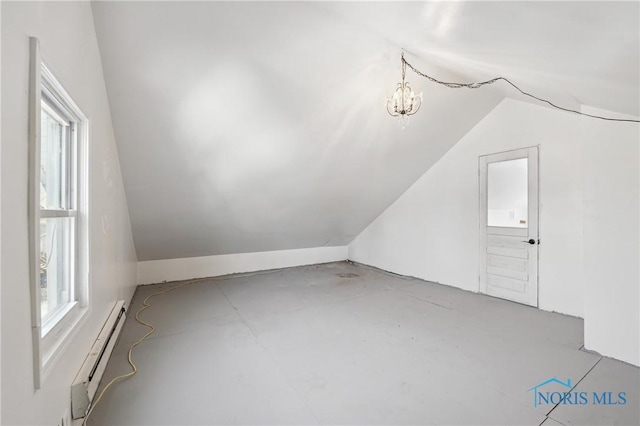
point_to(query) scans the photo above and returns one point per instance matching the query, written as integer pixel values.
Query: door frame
(533, 228)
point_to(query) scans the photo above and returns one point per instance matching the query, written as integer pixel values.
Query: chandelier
(404, 101)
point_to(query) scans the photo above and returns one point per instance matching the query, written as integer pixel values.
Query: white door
(509, 225)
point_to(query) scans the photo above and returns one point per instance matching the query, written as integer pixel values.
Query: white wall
(69, 47)
(431, 231)
(156, 271)
(276, 173)
(0, 216)
(589, 219)
(612, 242)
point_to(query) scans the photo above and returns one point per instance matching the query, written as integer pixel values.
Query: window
(58, 213)
(507, 193)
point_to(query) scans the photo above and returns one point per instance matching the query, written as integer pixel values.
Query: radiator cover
(86, 383)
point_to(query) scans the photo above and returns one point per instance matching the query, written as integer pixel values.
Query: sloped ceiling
(252, 126)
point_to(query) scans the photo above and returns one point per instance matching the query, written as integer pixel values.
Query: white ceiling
(252, 126)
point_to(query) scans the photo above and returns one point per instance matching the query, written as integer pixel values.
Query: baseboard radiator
(86, 383)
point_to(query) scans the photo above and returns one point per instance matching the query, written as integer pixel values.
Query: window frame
(69, 191)
(52, 337)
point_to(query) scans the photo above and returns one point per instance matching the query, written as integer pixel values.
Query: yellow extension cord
(152, 330)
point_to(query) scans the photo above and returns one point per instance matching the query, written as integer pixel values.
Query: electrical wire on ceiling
(493, 80)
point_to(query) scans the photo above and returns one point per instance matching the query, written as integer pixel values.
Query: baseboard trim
(158, 271)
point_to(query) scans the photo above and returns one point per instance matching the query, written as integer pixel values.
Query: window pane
(507, 190)
(57, 254)
(53, 163)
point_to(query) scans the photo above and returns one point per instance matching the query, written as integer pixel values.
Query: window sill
(56, 339)
(52, 323)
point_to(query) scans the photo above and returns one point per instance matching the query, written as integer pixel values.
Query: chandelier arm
(393, 114)
(415, 107)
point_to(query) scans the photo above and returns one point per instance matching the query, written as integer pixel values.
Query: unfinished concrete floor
(348, 344)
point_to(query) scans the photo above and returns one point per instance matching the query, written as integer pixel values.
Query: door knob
(531, 241)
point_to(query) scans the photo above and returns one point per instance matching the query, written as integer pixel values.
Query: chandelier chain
(404, 67)
(477, 85)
